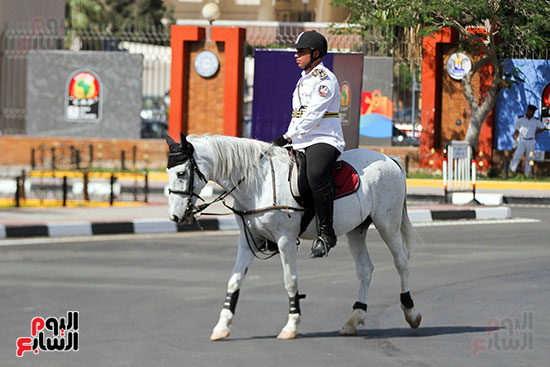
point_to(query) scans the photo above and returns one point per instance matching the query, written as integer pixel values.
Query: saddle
(345, 181)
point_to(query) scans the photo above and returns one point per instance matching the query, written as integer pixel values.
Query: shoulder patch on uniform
(321, 73)
(323, 90)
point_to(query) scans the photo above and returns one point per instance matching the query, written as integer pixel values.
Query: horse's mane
(237, 158)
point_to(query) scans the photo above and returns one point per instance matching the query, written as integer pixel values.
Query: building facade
(264, 10)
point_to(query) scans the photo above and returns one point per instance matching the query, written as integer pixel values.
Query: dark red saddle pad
(346, 179)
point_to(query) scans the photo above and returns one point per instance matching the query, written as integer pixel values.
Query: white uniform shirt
(320, 92)
(528, 127)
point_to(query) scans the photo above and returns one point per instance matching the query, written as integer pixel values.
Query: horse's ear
(185, 144)
(169, 140)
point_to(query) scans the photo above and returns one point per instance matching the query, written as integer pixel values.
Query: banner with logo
(83, 98)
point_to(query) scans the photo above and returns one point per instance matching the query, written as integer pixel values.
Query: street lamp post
(210, 12)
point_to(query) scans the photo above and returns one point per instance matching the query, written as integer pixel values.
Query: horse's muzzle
(186, 218)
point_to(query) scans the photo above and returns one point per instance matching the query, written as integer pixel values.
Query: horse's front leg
(287, 249)
(244, 258)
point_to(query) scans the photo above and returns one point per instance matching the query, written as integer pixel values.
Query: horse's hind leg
(364, 269)
(244, 258)
(393, 236)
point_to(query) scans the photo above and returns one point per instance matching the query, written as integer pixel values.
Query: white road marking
(467, 222)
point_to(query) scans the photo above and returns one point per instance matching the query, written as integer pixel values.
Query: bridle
(182, 156)
(190, 192)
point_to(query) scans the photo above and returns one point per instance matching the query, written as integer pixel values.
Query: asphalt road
(153, 300)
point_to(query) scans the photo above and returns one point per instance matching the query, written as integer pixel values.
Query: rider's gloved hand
(281, 141)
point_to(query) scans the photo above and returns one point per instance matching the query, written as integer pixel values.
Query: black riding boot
(324, 208)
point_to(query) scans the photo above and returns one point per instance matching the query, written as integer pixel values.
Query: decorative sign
(345, 91)
(83, 98)
(458, 65)
(459, 149)
(206, 64)
(376, 119)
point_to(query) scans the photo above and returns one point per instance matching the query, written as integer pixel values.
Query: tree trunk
(481, 109)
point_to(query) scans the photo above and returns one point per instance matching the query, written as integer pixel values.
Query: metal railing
(18, 41)
(58, 188)
(459, 168)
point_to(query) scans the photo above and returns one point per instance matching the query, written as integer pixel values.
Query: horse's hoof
(348, 330)
(286, 335)
(414, 323)
(219, 335)
(412, 316)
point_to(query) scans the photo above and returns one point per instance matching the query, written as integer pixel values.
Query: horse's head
(185, 180)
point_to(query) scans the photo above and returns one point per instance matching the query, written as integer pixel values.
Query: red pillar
(180, 36)
(234, 39)
(430, 151)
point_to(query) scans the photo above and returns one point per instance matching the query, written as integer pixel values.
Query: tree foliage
(138, 13)
(120, 14)
(506, 25)
(82, 13)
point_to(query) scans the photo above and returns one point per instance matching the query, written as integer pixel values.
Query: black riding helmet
(314, 41)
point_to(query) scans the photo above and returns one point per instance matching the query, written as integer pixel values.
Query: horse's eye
(181, 174)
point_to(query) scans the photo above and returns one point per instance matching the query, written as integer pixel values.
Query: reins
(200, 208)
(226, 193)
(194, 209)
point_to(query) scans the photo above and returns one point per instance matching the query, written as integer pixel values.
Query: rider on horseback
(315, 129)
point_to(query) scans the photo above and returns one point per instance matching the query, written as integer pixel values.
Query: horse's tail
(399, 162)
(408, 232)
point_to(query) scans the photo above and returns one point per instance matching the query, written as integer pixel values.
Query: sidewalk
(424, 205)
(531, 192)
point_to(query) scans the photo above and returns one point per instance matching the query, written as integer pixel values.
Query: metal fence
(279, 35)
(17, 42)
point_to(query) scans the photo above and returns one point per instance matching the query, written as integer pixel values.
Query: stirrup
(320, 247)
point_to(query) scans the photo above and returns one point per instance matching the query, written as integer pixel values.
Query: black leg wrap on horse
(406, 300)
(359, 305)
(294, 303)
(230, 302)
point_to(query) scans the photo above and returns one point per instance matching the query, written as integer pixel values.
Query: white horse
(256, 175)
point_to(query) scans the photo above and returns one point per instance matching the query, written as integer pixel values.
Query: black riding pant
(321, 161)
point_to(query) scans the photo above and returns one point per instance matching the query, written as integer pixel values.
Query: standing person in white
(315, 129)
(526, 130)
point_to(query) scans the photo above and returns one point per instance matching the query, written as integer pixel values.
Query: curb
(157, 225)
(137, 226)
(426, 215)
(506, 199)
